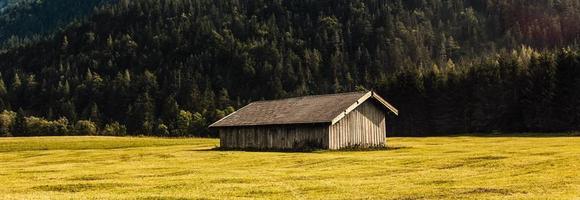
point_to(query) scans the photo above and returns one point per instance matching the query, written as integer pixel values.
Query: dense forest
(26, 21)
(170, 68)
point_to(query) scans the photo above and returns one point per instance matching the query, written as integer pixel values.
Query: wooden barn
(323, 121)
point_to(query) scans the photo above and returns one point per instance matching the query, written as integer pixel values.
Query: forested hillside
(3, 4)
(173, 67)
(27, 21)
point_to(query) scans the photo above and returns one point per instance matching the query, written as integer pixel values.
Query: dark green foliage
(19, 127)
(114, 129)
(526, 91)
(41, 127)
(24, 21)
(173, 67)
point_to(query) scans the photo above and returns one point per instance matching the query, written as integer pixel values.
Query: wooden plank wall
(273, 137)
(365, 126)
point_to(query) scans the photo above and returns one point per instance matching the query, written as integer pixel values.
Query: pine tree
(3, 90)
(141, 115)
(223, 98)
(19, 128)
(170, 111)
(94, 114)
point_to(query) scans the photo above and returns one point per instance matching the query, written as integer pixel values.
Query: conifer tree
(19, 127)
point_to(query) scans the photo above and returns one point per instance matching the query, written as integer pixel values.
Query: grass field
(419, 168)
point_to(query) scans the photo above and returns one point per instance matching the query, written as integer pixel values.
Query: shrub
(114, 129)
(36, 126)
(59, 127)
(85, 127)
(199, 124)
(183, 123)
(162, 130)
(7, 119)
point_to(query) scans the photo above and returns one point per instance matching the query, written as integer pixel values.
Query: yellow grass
(421, 168)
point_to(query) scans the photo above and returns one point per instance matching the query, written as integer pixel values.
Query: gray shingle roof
(298, 110)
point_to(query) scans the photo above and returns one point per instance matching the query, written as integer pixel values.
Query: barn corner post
(331, 121)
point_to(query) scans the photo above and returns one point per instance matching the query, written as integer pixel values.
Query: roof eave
(361, 100)
(216, 124)
(273, 124)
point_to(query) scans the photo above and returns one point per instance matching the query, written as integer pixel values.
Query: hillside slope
(25, 20)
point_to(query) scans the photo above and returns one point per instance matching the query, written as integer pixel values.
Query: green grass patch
(457, 167)
(91, 142)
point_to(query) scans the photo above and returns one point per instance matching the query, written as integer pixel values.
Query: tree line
(521, 91)
(171, 68)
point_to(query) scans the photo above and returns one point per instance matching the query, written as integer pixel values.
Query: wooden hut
(323, 121)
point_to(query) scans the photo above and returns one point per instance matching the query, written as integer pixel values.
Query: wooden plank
(365, 125)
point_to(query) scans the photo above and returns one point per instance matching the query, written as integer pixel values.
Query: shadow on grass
(307, 150)
(78, 187)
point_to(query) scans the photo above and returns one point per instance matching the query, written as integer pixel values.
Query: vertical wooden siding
(365, 126)
(273, 137)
